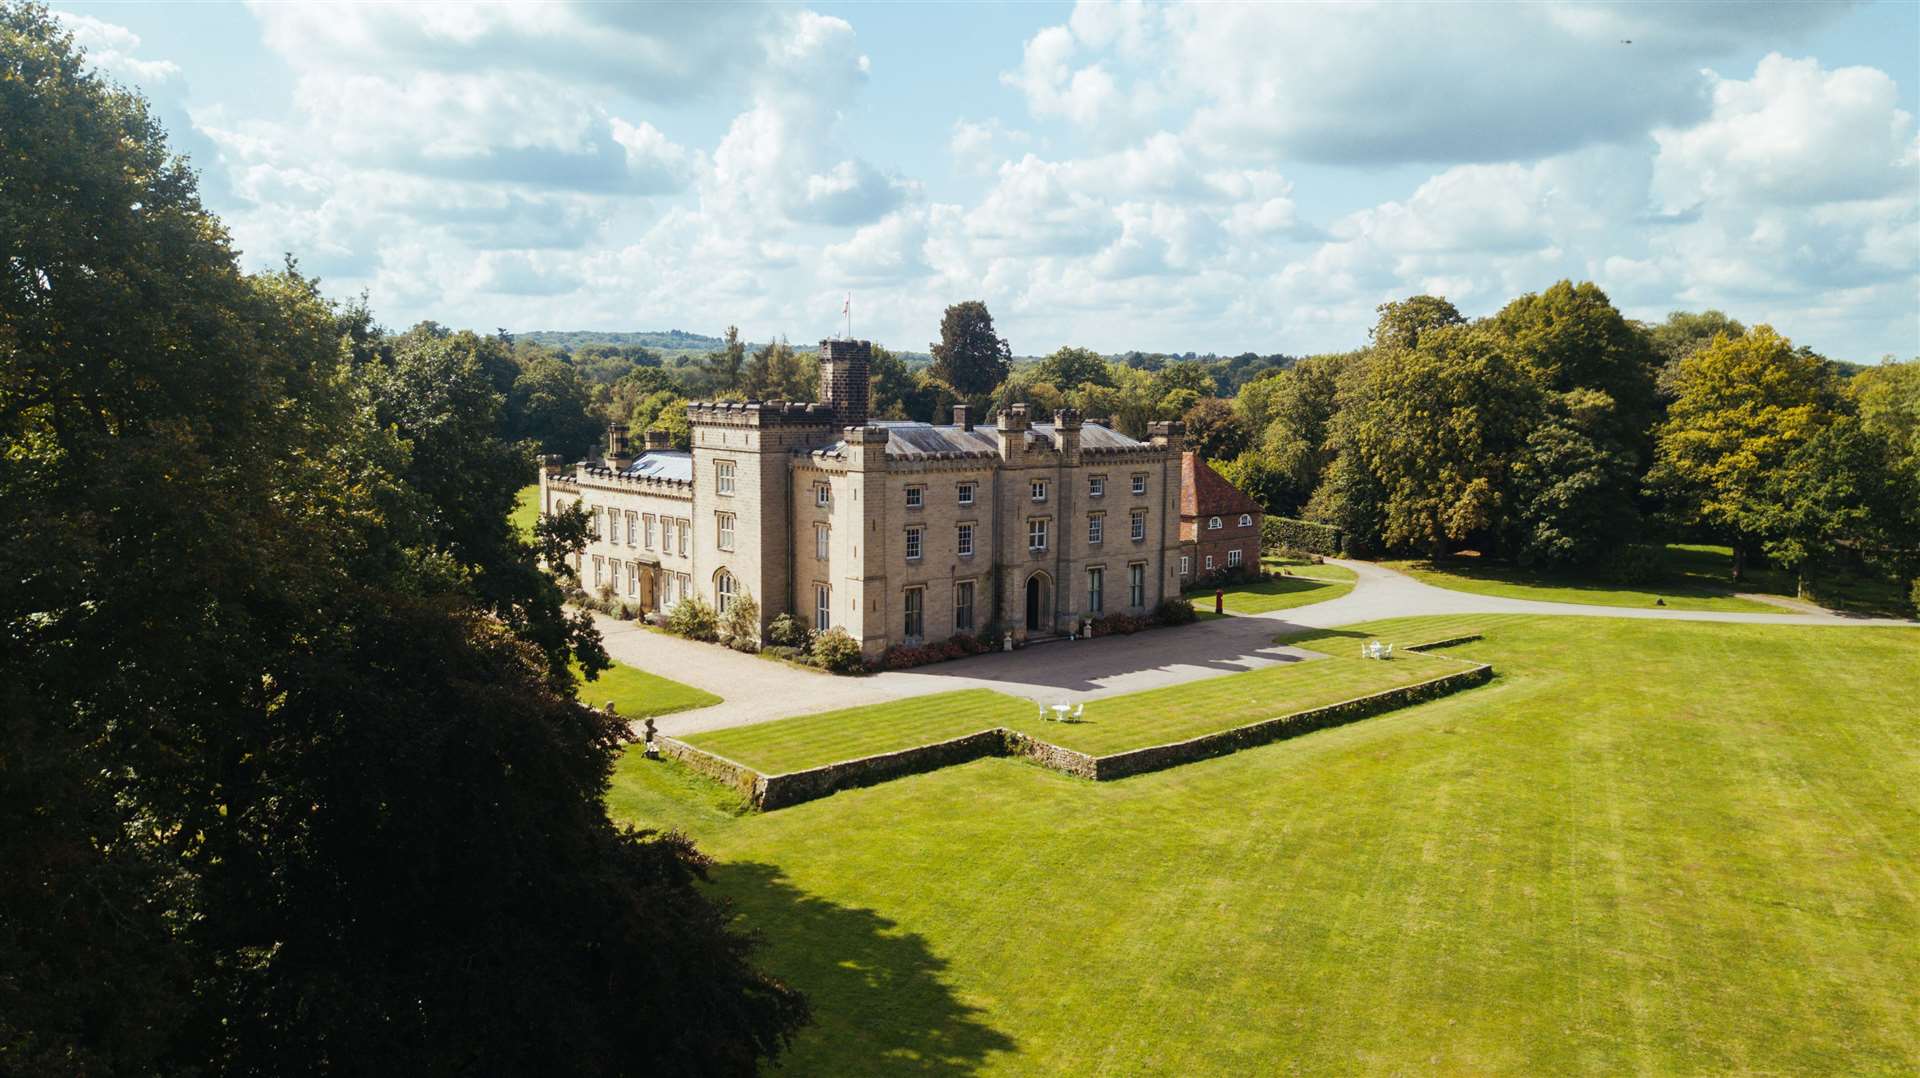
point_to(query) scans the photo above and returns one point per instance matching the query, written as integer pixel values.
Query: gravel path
(755, 689)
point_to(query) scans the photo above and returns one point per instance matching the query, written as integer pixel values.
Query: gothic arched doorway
(1039, 603)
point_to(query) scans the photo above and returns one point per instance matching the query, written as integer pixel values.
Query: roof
(1203, 493)
(909, 439)
(662, 464)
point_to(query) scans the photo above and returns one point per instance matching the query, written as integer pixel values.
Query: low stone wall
(766, 792)
(779, 791)
(1450, 641)
(736, 776)
(1160, 757)
(1050, 755)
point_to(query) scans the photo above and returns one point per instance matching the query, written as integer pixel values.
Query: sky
(1212, 178)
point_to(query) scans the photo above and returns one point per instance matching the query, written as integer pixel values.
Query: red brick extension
(1204, 497)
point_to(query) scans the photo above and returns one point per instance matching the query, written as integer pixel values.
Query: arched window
(1213, 523)
(1246, 520)
(723, 591)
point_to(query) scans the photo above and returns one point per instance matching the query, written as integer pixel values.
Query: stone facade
(899, 533)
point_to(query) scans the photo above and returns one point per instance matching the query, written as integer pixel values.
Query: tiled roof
(1204, 494)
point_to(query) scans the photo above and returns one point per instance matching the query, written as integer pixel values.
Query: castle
(898, 532)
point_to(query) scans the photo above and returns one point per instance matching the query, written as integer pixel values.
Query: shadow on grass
(880, 1002)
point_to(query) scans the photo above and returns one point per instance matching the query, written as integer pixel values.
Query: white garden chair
(1079, 710)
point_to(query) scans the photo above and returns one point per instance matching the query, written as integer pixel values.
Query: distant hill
(669, 340)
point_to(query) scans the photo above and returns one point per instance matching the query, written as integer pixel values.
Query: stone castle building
(897, 532)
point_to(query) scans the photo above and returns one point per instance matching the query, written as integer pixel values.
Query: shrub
(782, 651)
(694, 619)
(1301, 535)
(1634, 563)
(787, 631)
(740, 625)
(1177, 610)
(907, 656)
(836, 651)
(1123, 624)
(1915, 596)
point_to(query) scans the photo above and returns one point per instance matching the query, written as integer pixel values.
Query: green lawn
(637, 694)
(1647, 847)
(1158, 716)
(1688, 587)
(1306, 584)
(831, 736)
(526, 510)
(1112, 724)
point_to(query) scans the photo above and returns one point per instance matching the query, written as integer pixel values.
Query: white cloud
(1375, 83)
(1793, 134)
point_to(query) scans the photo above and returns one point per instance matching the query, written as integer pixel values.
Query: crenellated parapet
(759, 413)
(601, 476)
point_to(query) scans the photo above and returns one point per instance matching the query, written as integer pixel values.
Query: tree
(1744, 405)
(777, 372)
(1681, 335)
(1438, 426)
(1255, 474)
(1300, 404)
(724, 369)
(1214, 429)
(1404, 322)
(322, 805)
(1070, 368)
(1572, 489)
(1570, 337)
(893, 392)
(1838, 491)
(551, 405)
(970, 357)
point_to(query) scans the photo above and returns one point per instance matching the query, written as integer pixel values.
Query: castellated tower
(844, 371)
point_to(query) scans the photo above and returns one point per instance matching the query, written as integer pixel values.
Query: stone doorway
(1039, 603)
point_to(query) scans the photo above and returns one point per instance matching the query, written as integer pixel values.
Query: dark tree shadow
(879, 1003)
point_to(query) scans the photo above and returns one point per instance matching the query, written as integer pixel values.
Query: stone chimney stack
(618, 453)
(844, 388)
(659, 439)
(1168, 434)
(1010, 430)
(1066, 436)
(963, 417)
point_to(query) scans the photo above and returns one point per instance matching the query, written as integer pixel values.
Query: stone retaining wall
(1450, 641)
(1160, 757)
(779, 791)
(1047, 754)
(735, 776)
(766, 792)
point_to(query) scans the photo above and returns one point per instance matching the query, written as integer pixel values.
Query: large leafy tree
(1571, 337)
(1840, 492)
(970, 357)
(1069, 368)
(552, 406)
(281, 789)
(1744, 406)
(1214, 429)
(1439, 426)
(1403, 323)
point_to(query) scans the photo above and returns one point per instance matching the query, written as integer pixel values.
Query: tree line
(292, 775)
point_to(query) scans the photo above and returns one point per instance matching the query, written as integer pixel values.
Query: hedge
(1303, 535)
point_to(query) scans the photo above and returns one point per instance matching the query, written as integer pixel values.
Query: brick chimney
(843, 380)
(963, 417)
